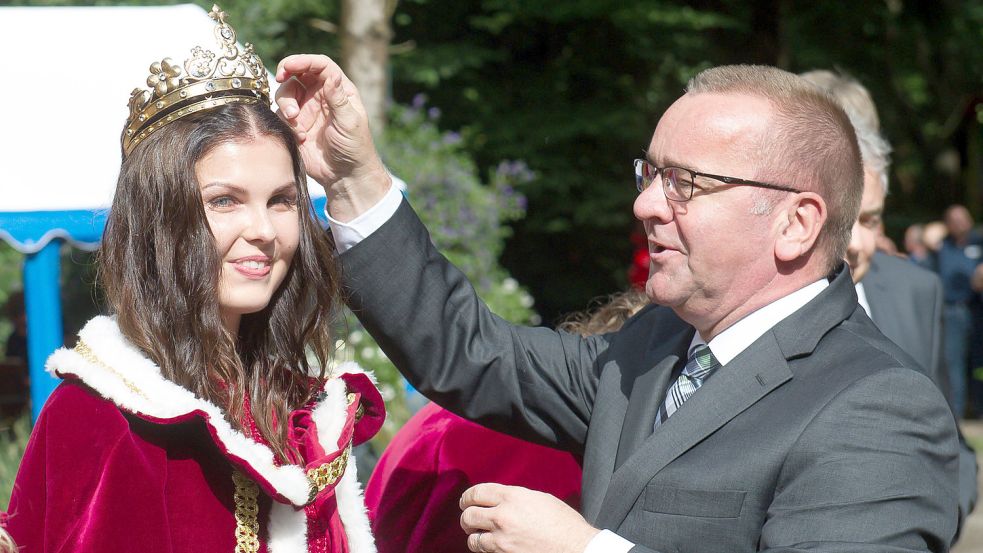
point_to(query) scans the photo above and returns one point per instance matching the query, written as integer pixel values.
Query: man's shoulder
(894, 271)
(856, 348)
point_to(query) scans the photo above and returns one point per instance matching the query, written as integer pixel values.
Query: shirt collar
(736, 338)
(862, 298)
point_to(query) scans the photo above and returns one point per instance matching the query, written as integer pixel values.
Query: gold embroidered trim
(327, 474)
(360, 410)
(247, 510)
(86, 353)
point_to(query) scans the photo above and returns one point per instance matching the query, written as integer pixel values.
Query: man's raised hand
(326, 113)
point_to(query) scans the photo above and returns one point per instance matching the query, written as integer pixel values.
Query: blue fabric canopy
(30, 231)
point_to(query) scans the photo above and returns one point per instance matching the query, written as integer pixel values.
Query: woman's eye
(222, 201)
(284, 200)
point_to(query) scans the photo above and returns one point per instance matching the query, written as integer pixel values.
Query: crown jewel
(204, 81)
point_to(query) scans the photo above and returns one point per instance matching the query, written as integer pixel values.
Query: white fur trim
(132, 381)
(288, 529)
(351, 504)
(351, 509)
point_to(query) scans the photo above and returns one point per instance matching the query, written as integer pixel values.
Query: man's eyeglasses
(678, 183)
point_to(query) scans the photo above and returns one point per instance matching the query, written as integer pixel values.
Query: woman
(202, 415)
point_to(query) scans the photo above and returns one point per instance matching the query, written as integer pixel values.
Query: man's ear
(799, 226)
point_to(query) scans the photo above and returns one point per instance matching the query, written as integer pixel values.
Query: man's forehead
(725, 120)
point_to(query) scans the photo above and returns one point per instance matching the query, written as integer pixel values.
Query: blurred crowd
(953, 249)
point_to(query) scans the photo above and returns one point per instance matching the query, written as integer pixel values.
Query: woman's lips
(253, 267)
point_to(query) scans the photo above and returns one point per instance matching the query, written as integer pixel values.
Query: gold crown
(206, 81)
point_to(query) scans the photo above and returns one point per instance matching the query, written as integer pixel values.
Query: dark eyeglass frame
(676, 193)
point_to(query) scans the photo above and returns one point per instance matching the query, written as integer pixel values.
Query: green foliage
(11, 265)
(575, 89)
(466, 218)
(13, 443)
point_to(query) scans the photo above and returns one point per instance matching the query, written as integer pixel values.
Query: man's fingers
(478, 519)
(308, 68)
(482, 542)
(288, 98)
(301, 63)
(483, 495)
(336, 96)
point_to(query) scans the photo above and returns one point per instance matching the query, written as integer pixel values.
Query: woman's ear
(803, 219)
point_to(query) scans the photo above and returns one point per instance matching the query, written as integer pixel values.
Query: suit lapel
(614, 413)
(647, 393)
(734, 388)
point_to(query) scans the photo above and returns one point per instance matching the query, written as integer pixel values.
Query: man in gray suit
(904, 300)
(756, 408)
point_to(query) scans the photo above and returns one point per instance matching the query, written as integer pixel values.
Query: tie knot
(701, 363)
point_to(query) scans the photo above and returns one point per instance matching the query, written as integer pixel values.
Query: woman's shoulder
(76, 407)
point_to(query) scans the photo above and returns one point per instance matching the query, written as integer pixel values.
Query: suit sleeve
(874, 471)
(535, 383)
(83, 485)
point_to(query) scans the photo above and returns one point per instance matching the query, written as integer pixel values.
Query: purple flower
(433, 113)
(419, 101)
(452, 138)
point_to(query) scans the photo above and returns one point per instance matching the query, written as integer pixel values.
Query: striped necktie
(699, 367)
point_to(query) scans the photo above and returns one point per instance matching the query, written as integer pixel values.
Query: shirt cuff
(607, 541)
(346, 235)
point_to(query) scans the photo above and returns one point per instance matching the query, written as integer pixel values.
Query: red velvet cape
(121, 459)
(414, 492)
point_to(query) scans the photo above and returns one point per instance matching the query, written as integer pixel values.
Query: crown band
(204, 81)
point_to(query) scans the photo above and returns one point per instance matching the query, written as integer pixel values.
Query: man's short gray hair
(856, 101)
(811, 145)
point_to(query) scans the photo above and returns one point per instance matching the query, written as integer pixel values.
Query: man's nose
(854, 246)
(651, 204)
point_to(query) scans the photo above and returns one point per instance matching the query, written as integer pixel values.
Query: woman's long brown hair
(160, 273)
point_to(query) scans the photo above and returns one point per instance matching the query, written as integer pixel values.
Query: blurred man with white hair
(904, 300)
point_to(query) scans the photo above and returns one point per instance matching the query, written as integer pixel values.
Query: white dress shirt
(862, 298)
(725, 346)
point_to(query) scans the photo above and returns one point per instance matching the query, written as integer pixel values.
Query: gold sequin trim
(86, 353)
(247, 510)
(327, 474)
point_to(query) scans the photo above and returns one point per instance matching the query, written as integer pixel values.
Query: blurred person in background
(915, 247)
(903, 300)
(959, 253)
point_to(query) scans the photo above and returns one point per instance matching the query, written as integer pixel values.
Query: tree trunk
(365, 36)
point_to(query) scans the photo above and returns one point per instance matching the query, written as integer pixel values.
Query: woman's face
(250, 200)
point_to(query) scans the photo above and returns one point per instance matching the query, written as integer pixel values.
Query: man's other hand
(512, 519)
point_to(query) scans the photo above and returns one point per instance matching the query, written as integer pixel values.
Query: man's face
(958, 221)
(867, 227)
(712, 253)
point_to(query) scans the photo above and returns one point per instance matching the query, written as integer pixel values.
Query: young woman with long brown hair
(204, 413)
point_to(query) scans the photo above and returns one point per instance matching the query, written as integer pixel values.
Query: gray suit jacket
(906, 305)
(818, 437)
